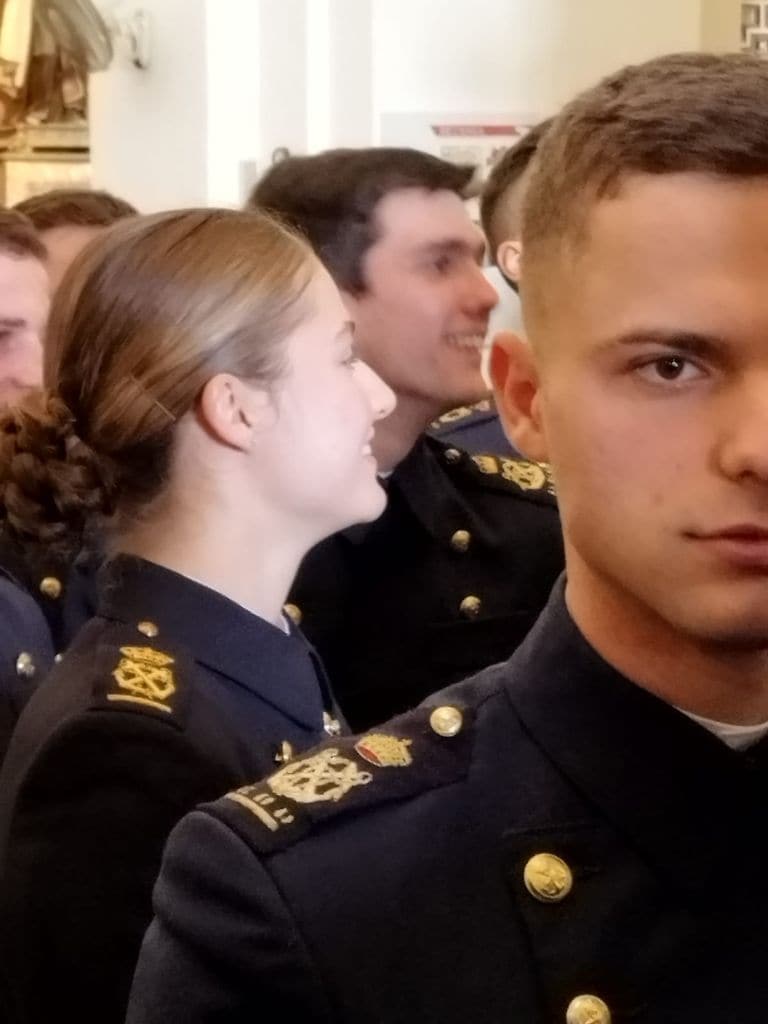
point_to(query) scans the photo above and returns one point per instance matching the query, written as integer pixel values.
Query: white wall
(514, 55)
(233, 79)
(149, 129)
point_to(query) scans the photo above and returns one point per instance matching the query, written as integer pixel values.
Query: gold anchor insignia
(529, 476)
(384, 751)
(324, 777)
(146, 676)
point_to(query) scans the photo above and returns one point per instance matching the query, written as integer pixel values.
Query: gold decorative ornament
(148, 629)
(384, 751)
(587, 1010)
(25, 665)
(145, 677)
(527, 475)
(452, 455)
(325, 777)
(294, 613)
(547, 878)
(446, 721)
(487, 464)
(50, 586)
(461, 540)
(470, 606)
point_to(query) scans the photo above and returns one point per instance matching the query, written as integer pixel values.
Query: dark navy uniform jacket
(447, 581)
(554, 845)
(26, 653)
(473, 428)
(62, 586)
(172, 695)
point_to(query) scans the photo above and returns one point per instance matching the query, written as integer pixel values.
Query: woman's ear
(516, 390)
(232, 411)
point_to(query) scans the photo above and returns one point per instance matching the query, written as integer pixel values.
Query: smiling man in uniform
(452, 576)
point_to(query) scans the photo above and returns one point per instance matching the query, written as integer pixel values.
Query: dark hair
(682, 113)
(18, 237)
(332, 198)
(62, 207)
(153, 309)
(499, 214)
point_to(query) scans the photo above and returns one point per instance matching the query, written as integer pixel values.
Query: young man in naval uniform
(453, 575)
(578, 835)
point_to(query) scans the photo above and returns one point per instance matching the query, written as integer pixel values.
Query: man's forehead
(412, 218)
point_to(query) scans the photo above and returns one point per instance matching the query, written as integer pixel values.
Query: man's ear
(508, 257)
(232, 411)
(516, 390)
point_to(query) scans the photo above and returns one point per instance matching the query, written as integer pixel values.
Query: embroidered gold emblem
(263, 806)
(384, 751)
(528, 476)
(145, 676)
(326, 776)
(548, 878)
(486, 463)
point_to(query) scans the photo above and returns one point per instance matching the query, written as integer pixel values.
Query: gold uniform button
(446, 721)
(587, 1010)
(461, 540)
(470, 607)
(148, 629)
(294, 613)
(25, 665)
(51, 587)
(452, 455)
(547, 878)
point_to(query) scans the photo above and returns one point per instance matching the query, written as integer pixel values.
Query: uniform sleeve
(223, 946)
(85, 839)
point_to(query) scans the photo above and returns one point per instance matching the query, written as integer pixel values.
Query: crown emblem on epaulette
(384, 751)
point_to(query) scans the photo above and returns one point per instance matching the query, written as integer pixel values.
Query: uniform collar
(282, 669)
(680, 794)
(421, 483)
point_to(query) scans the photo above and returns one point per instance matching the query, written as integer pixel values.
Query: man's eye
(670, 369)
(443, 264)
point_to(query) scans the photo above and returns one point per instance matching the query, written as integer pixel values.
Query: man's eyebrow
(692, 342)
(455, 247)
(8, 323)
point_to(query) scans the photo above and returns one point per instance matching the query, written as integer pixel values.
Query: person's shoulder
(516, 477)
(475, 428)
(127, 668)
(463, 416)
(426, 749)
(26, 648)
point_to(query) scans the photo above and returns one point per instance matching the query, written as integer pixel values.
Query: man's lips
(744, 545)
(742, 532)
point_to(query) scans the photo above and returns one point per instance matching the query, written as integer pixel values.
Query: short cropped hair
(331, 198)
(69, 207)
(18, 236)
(500, 209)
(681, 113)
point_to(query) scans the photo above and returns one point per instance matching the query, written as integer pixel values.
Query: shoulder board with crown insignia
(458, 415)
(422, 750)
(141, 677)
(522, 475)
